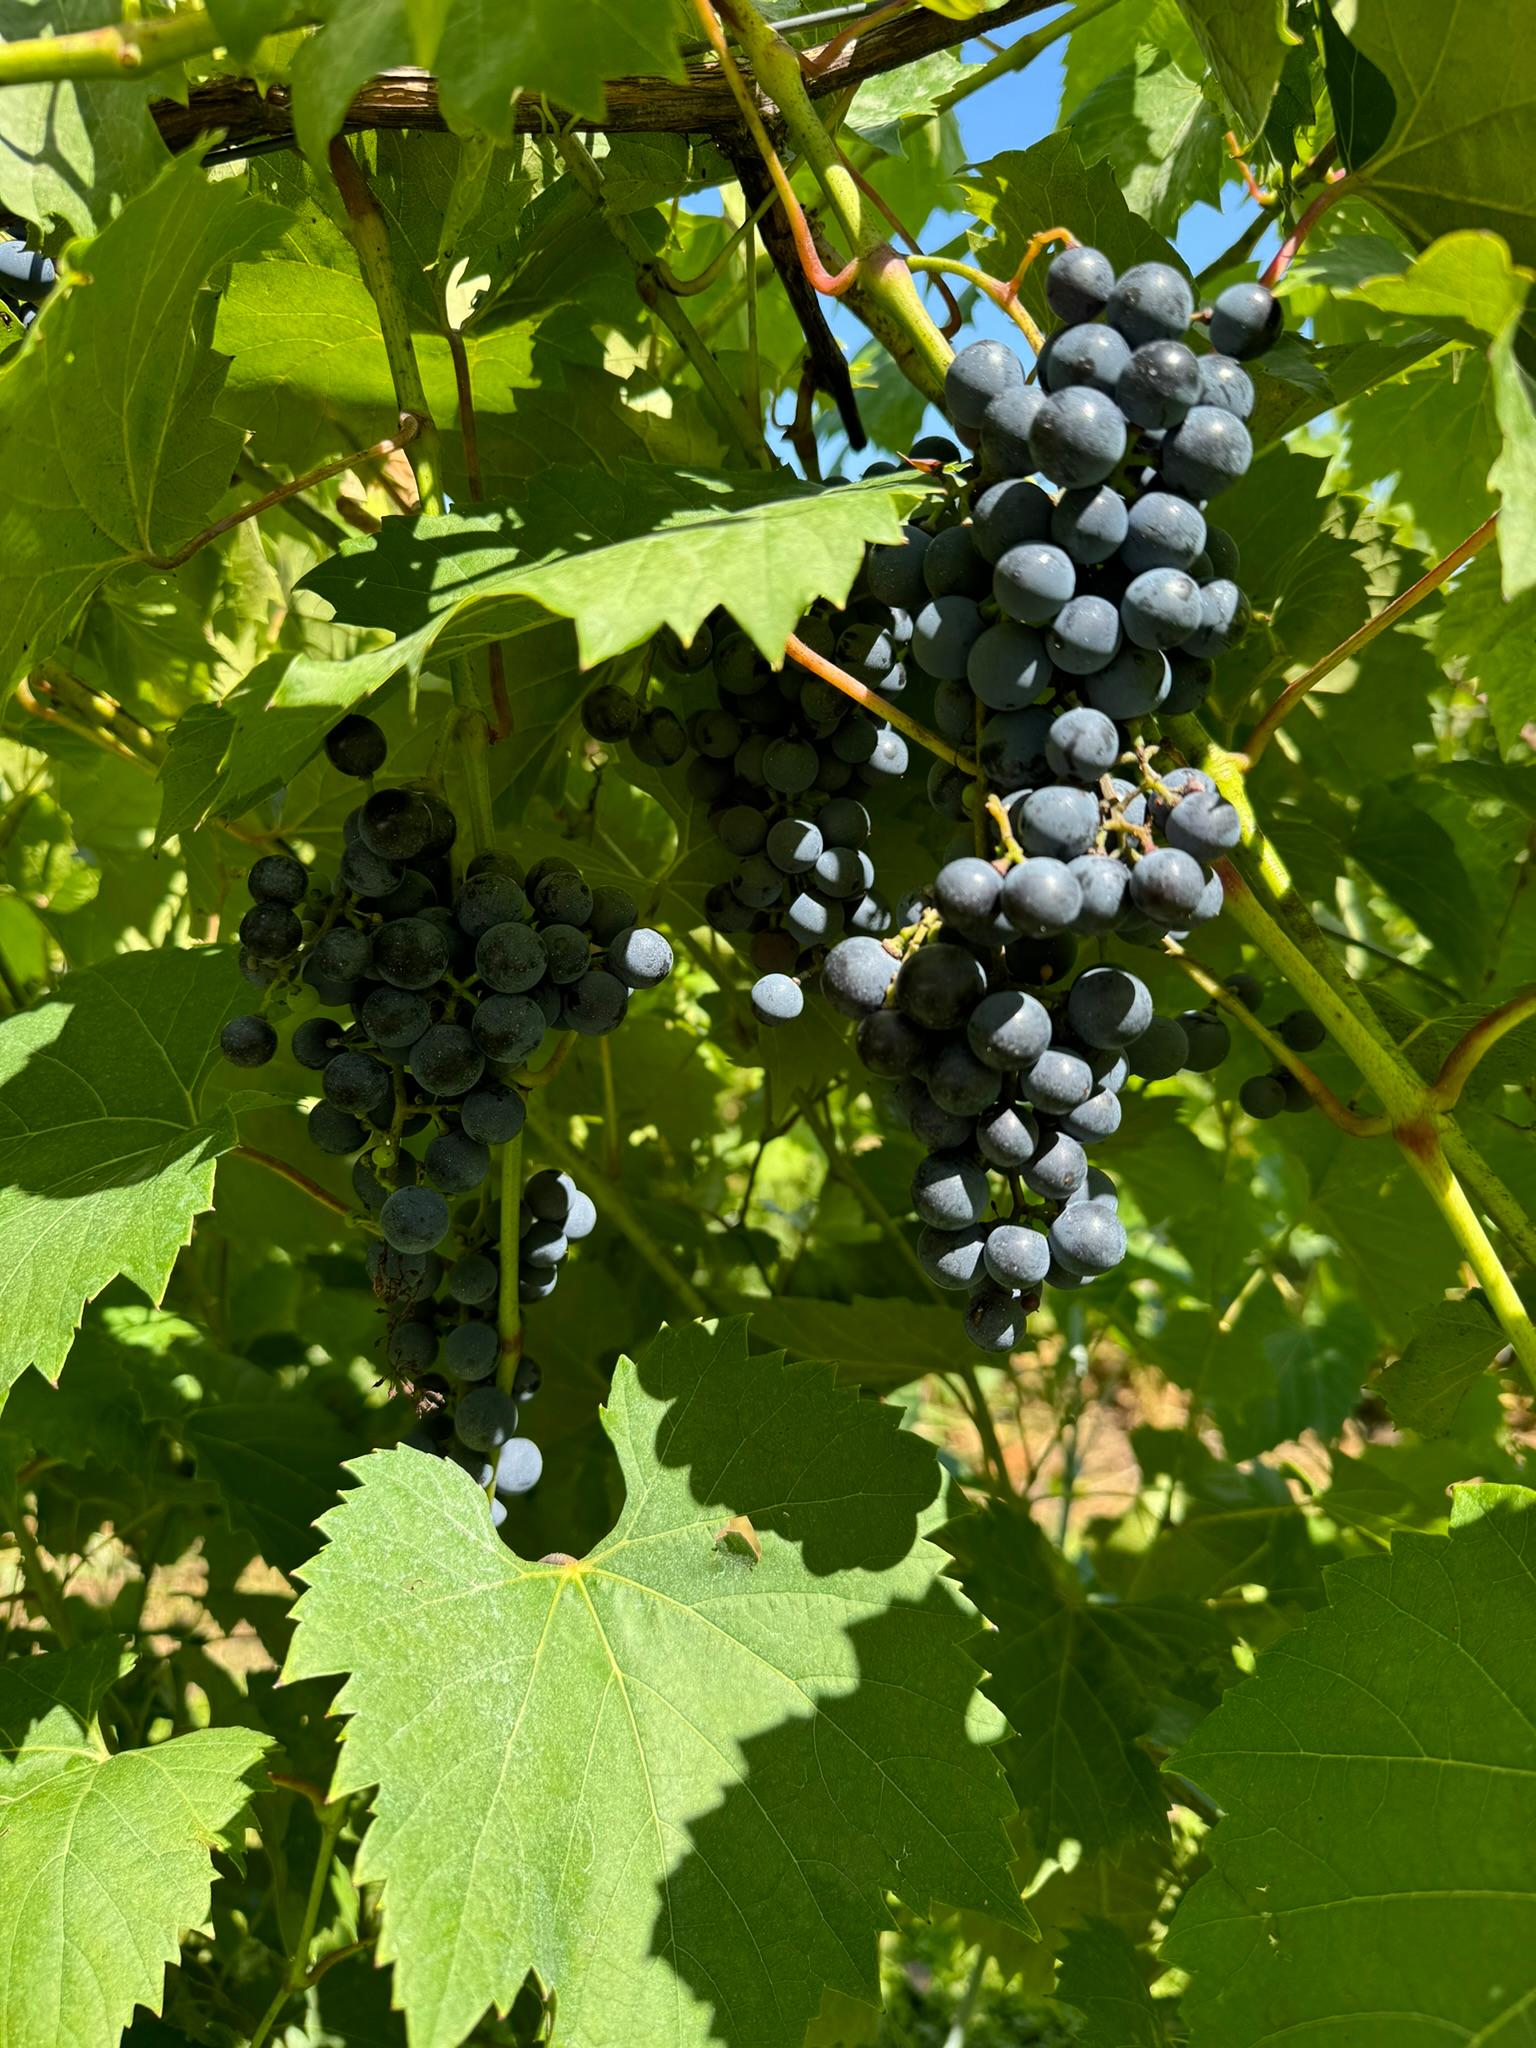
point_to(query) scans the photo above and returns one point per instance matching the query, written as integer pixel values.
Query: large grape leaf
(108, 444)
(1081, 1679)
(1245, 42)
(107, 1858)
(1102, 1979)
(484, 55)
(1372, 1883)
(1152, 124)
(72, 149)
(1015, 194)
(621, 559)
(1453, 1347)
(1459, 151)
(674, 1780)
(105, 1153)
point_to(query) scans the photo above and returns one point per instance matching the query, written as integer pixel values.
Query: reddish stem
(1280, 263)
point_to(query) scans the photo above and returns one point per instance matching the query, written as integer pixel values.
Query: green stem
(1461, 1061)
(509, 1309)
(995, 289)
(885, 296)
(126, 51)
(739, 424)
(469, 756)
(1497, 1201)
(1427, 1157)
(616, 1204)
(368, 233)
(296, 1972)
(1024, 51)
(986, 1428)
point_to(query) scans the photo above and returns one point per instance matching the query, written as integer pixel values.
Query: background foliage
(1171, 1682)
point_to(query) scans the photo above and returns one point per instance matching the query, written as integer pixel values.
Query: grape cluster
(448, 984)
(1269, 1094)
(781, 760)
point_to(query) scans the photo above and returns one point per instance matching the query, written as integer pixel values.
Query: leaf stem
(410, 427)
(294, 1177)
(1282, 259)
(1389, 615)
(994, 288)
(1421, 1143)
(872, 701)
(509, 1308)
(1461, 1061)
(296, 1972)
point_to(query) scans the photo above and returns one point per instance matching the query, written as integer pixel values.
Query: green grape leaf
(1108, 41)
(484, 57)
(881, 1344)
(73, 149)
(1453, 1346)
(1080, 1679)
(1412, 858)
(107, 1857)
(1152, 123)
(1371, 1878)
(601, 1769)
(1491, 642)
(1362, 101)
(105, 1155)
(108, 446)
(1316, 1372)
(242, 23)
(1459, 151)
(1245, 42)
(1102, 1979)
(1015, 194)
(276, 1462)
(619, 559)
(1467, 284)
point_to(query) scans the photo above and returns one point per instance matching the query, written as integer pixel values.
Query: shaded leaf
(1453, 1346)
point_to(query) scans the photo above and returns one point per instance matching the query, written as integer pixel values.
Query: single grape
(470, 1350)
(567, 953)
(943, 634)
(843, 872)
(1006, 1137)
(609, 713)
(1084, 636)
(472, 1280)
(457, 1163)
(976, 376)
(1008, 1029)
(1030, 583)
(966, 891)
(1159, 384)
(1102, 882)
(271, 931)
(1246, 321)
(414, 1220)
(1087, 1238)
(278, 878)
(1082, 744)
(1301, 1031)
(995, 1318)
(613, 911)
(412, 1348)
(933, 448)
(1208, 1039)
(1189, 684)
(938, 985)
(1150, 302)
(1136, 682)
(356, 746)
(1084, 354)
(1160, 608)
(1226, 385)
(519, 1466)
(1017, 1256)
(1057, 1168)
(594, 1004)
(313, 1042)
(659, 739)
(856, 976)
(1225, 616)
(492, 1115)
(550, 1194)
(1009, 514)
(1166, 885)
(397, 824)
(1160, 1052)
(365, 874)
(356, 1081)
(1094, 1120)
(890, 1044)
(1078, 437)
(486, 1418)
(1108, 1008)
(1203, 824)
(1012, 747)
(954, 566)
(1005, 431)
(894, 573)
(344, 954)
(528, 1378)
(1007, 669)
(949, 1192)
(508, 1029)
(1058, 821)
(259, 973)
(757, 882)
(1057, 1081)
(558, 898)
(511, 958)
(446, 1060)
(1162, 532)
(1078, 283)
(689, 658)
(1206, 452)
(1262, 1096)
(807, 919)
(1090, 524)
(776, 999)
(543, 1245)
(248, 1041)
(951, 1258)
(410, 953)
